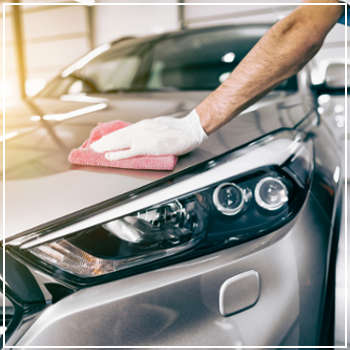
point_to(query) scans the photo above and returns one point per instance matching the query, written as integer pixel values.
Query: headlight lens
(141, 237)
(220, 214)
(231, 199)
(271, 193)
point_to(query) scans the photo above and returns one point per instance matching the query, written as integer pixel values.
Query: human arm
(279, 54)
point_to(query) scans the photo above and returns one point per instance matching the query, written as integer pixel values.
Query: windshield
(193, 60)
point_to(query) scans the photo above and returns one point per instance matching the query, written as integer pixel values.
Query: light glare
(229, 57)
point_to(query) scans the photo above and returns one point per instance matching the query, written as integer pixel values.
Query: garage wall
(112, 22)
(11, 87)
(233, 12)
(54, 36)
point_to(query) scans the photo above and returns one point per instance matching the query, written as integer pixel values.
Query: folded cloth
(84, 155)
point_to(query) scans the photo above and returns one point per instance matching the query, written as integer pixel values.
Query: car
(236, 246)
(332, 112)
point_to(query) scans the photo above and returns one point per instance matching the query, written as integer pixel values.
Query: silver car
(236, 246)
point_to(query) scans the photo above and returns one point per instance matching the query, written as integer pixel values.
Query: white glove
(158, 136)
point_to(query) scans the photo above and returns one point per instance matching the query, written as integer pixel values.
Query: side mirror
(331, 78)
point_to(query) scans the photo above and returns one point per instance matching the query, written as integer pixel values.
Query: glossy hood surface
(42, 186)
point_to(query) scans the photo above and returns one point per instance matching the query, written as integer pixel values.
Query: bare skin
(280, 53)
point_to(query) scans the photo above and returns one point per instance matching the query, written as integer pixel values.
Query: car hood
(41, 185)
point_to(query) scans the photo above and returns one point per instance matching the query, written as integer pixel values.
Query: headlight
(137, 238)
(234, 198)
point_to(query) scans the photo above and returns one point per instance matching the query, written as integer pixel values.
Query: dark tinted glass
(200, 60)
(197, 60)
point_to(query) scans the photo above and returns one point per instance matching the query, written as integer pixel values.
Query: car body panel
(150, 308)
(38, 168)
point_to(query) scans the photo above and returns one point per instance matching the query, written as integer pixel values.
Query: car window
(113, 73)
(198, 60)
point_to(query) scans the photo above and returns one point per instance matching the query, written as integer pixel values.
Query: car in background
(236, 246)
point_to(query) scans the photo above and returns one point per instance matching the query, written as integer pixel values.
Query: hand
(158, 136)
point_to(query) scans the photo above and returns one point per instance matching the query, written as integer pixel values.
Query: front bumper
(179, 304)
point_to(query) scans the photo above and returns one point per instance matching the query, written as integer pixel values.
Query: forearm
(283, 50)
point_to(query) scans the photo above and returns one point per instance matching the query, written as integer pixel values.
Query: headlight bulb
(230, 199)
(271, 193)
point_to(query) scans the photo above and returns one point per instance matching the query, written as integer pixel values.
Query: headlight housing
(234, 198)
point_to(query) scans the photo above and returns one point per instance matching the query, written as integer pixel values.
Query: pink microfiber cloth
(84, 155)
